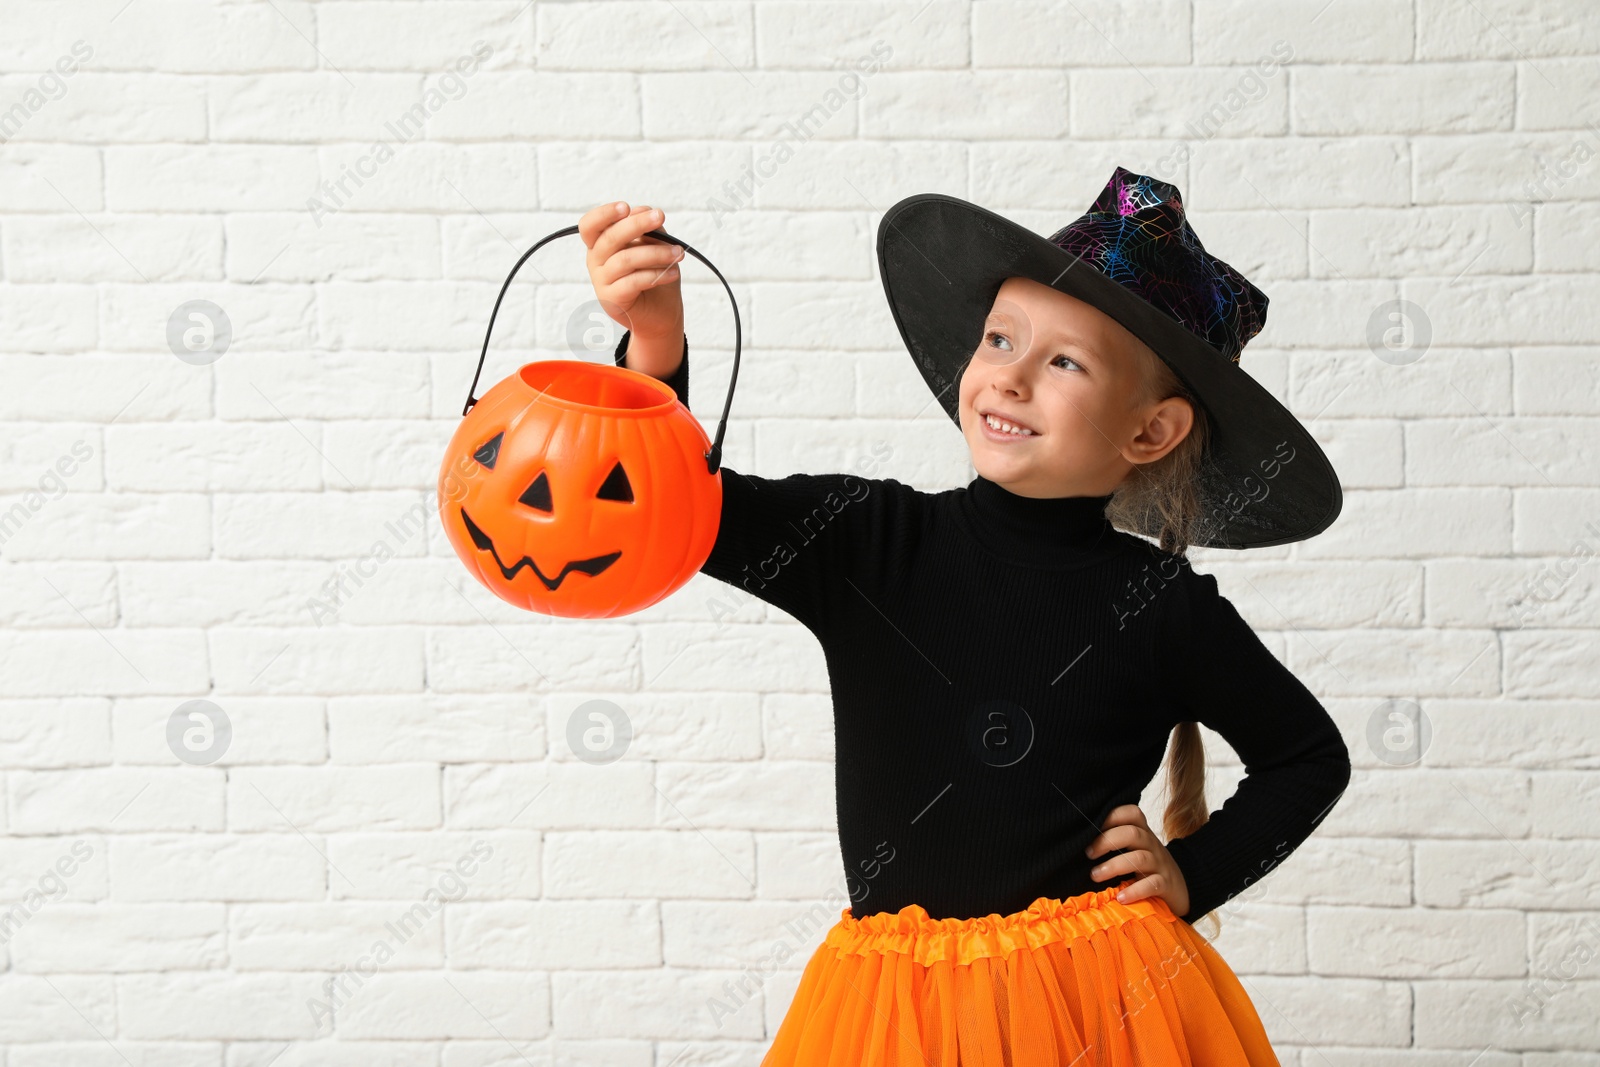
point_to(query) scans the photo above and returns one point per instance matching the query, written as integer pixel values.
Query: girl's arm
(678, 379)
(1296, 763)
(810, 544)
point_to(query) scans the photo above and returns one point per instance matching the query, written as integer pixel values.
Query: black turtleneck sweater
(1006, 670)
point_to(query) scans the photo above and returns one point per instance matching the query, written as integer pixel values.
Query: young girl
(1007, 665)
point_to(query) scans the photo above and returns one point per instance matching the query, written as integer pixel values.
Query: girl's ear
(1167, 423)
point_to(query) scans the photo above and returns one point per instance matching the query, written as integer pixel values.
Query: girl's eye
(996, 339)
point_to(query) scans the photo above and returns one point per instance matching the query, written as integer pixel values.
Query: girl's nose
(1013, 378)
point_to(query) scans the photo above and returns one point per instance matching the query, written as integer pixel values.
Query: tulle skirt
(1081, 982)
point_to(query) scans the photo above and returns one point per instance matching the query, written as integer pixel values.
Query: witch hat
(1134, 256)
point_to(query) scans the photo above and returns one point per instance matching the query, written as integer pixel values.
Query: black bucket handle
(714, 457)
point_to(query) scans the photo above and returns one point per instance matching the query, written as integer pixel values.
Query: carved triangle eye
(490, 451)
(616, 486)
(537, 495)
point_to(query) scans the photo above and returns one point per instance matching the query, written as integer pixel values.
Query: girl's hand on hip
(1158, 873)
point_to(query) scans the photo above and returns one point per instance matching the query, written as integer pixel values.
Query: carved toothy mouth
(591, 566)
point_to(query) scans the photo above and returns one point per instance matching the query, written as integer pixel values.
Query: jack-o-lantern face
(537, 496)
(580, 490)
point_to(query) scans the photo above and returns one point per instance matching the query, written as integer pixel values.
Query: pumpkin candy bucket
(582, 490)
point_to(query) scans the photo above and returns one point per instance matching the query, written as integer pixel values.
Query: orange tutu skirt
(1082, 982)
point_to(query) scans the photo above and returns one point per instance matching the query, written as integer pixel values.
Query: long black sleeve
(810, 544)
(1296, 763)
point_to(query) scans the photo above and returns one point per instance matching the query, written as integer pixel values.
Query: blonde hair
(1164, 497)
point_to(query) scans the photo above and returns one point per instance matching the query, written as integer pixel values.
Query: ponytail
(1187, 809)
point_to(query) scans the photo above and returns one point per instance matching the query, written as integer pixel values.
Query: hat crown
(1136, 233)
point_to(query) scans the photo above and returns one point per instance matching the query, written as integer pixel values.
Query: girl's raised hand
(1147, 857)
(635, 277)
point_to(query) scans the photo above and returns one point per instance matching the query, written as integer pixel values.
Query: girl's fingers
(640, 280)
(1120, 837)
(666, 277)
(1125, 815)
(627, 260)
(1144, 887)
(600, 219)
(597, 218)
(625, 231)
(1139, 863)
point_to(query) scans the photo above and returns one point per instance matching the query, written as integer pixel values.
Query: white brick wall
(399, 776)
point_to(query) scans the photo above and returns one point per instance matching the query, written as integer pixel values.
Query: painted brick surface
(404, 854)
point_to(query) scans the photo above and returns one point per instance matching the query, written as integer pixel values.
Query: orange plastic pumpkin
(581, 490)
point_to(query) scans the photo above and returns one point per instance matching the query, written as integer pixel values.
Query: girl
(1007, 665)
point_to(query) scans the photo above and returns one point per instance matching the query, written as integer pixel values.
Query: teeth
(1007, 427)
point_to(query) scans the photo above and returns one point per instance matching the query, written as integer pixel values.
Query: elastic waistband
(911, 930)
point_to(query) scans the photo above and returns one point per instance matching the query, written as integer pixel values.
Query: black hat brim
(942, 260)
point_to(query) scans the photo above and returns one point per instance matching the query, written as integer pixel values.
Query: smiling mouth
(591, 566)
(994, 432)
